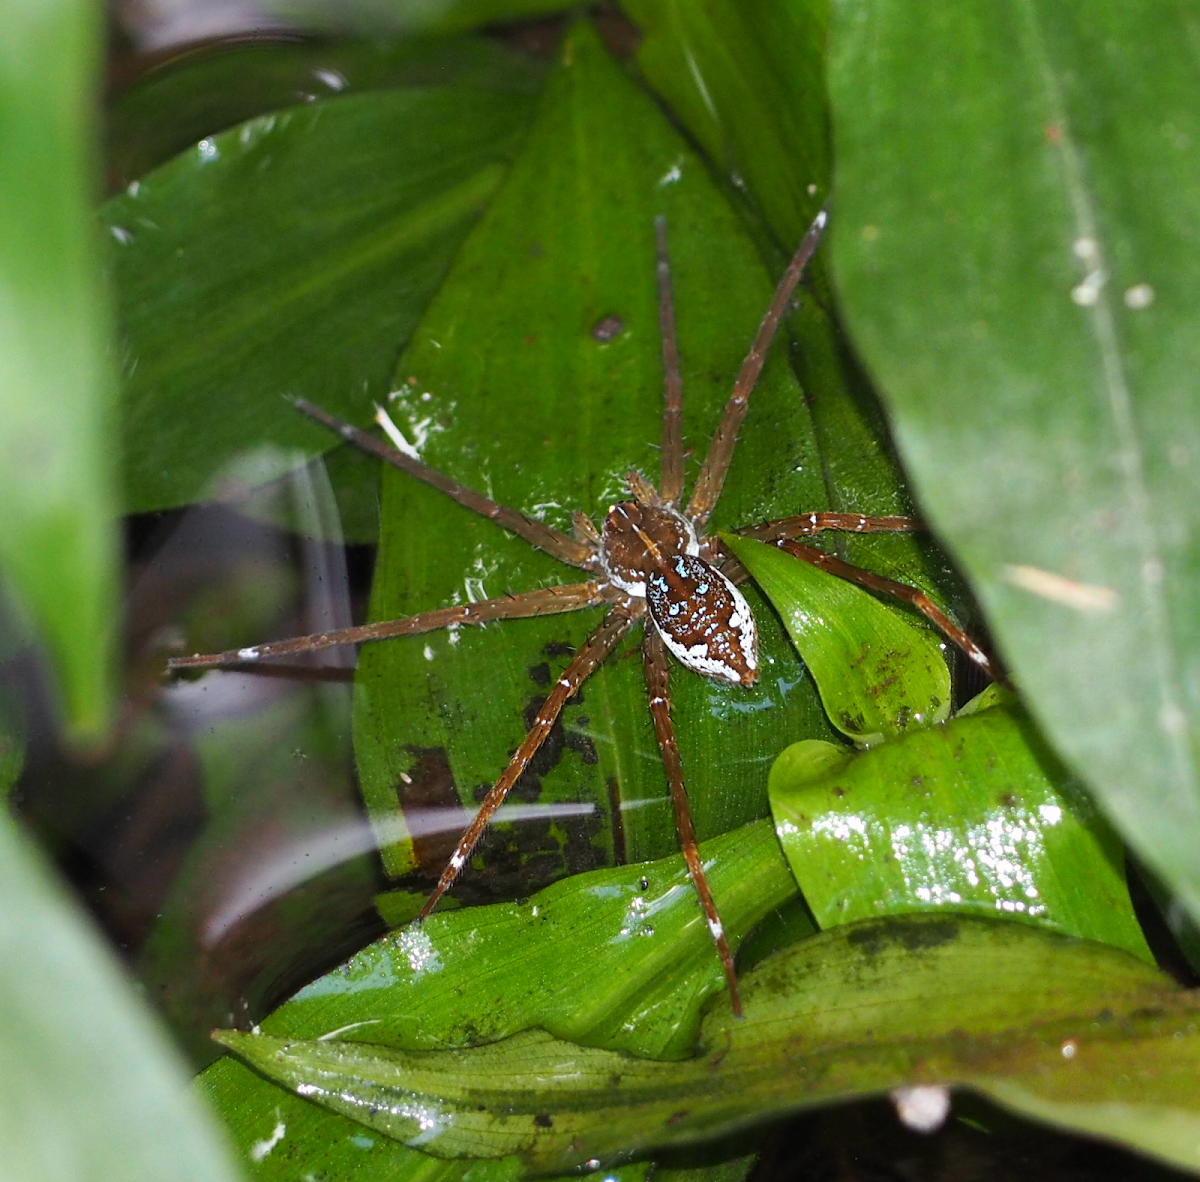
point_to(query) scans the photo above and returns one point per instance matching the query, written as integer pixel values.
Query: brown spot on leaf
(608, 328)
(430, 785)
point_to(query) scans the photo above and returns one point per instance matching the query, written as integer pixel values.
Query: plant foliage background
(441, 222)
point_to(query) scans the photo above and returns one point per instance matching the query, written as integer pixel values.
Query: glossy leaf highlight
(974, 816)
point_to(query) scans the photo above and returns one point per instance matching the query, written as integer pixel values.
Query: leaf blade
(1027, 389)
(58, 547)
(856, 1011)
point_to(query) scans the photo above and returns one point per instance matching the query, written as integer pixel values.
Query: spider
(651, 557)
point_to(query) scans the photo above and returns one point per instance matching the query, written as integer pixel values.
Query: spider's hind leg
(582, 665)
(658, 683)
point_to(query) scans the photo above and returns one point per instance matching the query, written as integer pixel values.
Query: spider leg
(815, 523)
(672, 428)
(582, 665)
(901, 591)
(544, 602)
(720, 451)
(658, 683)
(562, 547)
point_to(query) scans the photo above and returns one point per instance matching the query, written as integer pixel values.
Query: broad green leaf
(58, 544)
(1015, 188)
(89, 1088)
(481, 974)
(878, 672)
(283, 1137)
(289, 256)
(506, 388)
(1067, 1031)
(974, 816)
(485, 973)
(198, 94)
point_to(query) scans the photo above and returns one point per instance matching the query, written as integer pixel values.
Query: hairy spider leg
(720, 452)
(582, 665)
(562, 547)
(814, 523)
(903, 592)
(783, 531)
(658, 685)
(546, 601)
(672, 427)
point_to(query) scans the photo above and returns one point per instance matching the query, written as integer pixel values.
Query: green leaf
(748, 82)
(1015, 191)
(506, 388)
(975, 816)
(485, 973)
(1064, 1030)
(201, 93)
(284, 1137)
(481, 974)
(235, 292)
(89, 1087)
(878, 672)
(58, 544)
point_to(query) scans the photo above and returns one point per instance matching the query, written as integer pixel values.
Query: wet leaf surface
(485, 973)
(199, 93)
(1072, 1032)
(976, 815)
(481, 974)
(1013, 255)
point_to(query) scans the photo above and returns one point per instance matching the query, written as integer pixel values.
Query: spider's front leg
(547, 601)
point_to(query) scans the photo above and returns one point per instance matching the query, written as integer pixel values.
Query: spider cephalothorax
(651, 557)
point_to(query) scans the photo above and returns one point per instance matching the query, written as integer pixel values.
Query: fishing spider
(650, 557)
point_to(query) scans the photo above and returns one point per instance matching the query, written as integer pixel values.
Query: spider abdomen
(704, 619)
